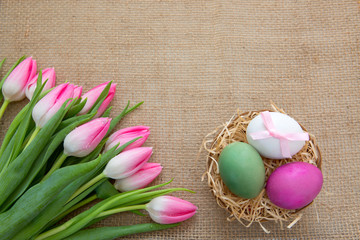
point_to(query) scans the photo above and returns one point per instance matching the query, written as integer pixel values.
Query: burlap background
(194, 63)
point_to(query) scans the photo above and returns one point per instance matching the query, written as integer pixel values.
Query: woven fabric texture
(194, 63)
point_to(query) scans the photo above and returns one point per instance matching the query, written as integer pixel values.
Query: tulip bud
(77, 91)
(83, 140)
(93, 95)
(127, 163)
(51, 103)
(127, 134)
(107, 100)
(15, 84)
(167, 209)
(140, 179)
(47, 74)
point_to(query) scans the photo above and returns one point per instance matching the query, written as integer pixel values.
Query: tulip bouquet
(58, 155)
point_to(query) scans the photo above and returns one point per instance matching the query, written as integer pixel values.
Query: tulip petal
(107, 100)
(33, 69)
(168, 209)
(163, 219)
(14, 86)
(92, 96)
(125, 135)
(84, 139)
(140, 179)
(127, 163)
(48, 74)
(51, 103)
(77, 92)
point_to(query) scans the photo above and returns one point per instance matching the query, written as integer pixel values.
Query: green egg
(242, 169)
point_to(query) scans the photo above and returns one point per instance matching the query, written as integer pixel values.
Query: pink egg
(294, 185)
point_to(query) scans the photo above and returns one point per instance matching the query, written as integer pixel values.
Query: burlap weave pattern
(194, 63)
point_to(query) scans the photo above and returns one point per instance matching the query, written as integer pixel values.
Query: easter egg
(242, 169)
(294, 185)
(279, 137)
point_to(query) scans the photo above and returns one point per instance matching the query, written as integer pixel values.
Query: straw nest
(259, 209)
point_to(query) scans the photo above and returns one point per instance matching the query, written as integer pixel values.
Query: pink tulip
(106, 101)
(51, 103)
(47, 74)
(83, 140)
(127, 163)
(15, 84)
(140, 179)
(167, 209)
(127, 134)
(77, 91)
(93, 95)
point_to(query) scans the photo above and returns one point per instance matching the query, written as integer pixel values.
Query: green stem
(87, 185)
(51, 232)
(119, 210)
(57, 164)
(33, 135)
(3, 107)
(79, 205)
(102, 214)
(83, 219)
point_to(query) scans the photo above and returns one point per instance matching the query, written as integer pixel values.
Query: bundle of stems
(53, 162)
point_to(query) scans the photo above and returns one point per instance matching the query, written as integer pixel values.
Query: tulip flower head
(168, 210)
(93, 94)
(48, 74)
(127, 134)
(15, 84)
(127, 163)
(51, 103)
(83, 140)
(140, 179)
(77, 91)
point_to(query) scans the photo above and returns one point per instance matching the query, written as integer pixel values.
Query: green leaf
(48, 216)
(84, 218)
(75, 109)
(25, 123)
(15, 124)
(59, 205)
(2, 62)
(134, 107)
(117, 119)
(38, 198)
(71, 120)
(137, 212)
(107, 112)
(13, 127)
(106, 190)
(4, 159)
(13, 175)
(68, 207)
(18, 129)
(108, 233)
(40, 162)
